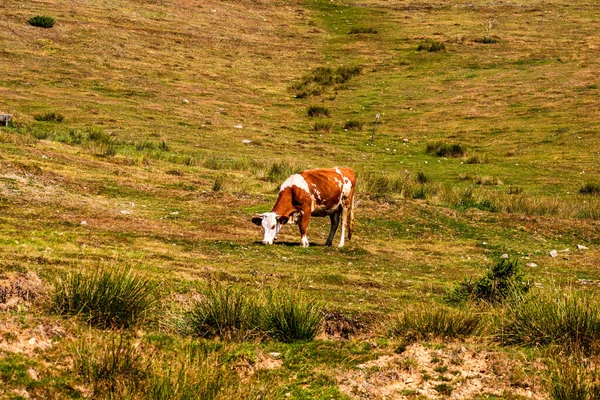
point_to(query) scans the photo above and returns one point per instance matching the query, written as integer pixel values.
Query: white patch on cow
(270, 227)
(338, 171)
(339, 182)
(304, 241)
(295, 180)
(347, 187)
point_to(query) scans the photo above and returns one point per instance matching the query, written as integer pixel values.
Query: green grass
(42, 21)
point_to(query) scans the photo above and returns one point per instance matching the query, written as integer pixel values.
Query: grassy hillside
(145, 135)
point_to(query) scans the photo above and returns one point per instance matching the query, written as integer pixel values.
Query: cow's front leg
(335, 222)
(303, 225)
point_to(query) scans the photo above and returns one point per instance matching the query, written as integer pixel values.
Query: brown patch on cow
(19, 290)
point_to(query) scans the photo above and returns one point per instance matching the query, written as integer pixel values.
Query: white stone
(275, 354)
(581, 247)
(246, 141)
(238, 126)
(531, 264)
(554, 253)
(504, 255)
(83, 222)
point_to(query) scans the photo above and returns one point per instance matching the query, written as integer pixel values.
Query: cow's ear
(282, 219)
(257, 220)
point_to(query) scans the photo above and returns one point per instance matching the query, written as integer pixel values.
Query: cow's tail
(351, 219)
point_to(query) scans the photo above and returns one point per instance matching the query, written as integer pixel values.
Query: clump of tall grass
(567, 318)
(323, 126)
(218, 183)
(291, 317)
(432, 46)
(442, 149)
(100, 143)
(317, 111)
(573, 377)
(235, 313)
(477, 159)
(355, 30)
(41, 21)
(49, 117)
(487, 180)
(427, 322)
(383, 183)
(321, 78)
(353, 124)
(111, 297)
(590, 188)
(280, 170)
(500, 282)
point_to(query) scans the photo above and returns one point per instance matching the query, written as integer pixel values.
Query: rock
(531, 265)
(275, 354)
(553, 253)
(125, 212)
(83, 222)
(409, 380)
(504, 255)
(405, 140)
(185, 101)
(581, 247)
(361, 366)
(246, 141)
(564, 251)
(238, 126)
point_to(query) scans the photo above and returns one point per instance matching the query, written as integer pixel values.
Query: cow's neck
(284, 206)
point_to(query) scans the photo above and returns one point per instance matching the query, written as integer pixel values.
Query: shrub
(437, 321)
(500, 282)
(359, 29)
(319, 79)
(432, 46)
(49, 117)
(323, 126)
(291, 317)
(441, 149)
(318, 111)
(568, 318)
(590, 188)
(353, 125)
(42, 21)
(110, 297)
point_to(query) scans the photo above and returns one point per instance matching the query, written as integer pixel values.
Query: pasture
(145, 136)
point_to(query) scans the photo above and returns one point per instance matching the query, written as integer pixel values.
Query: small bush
(218, 183)
(107, 298)
(432, 46)
(437, 321)
(590, 188)
(42, 21)
(318, 111)
(319, 79)
(353, 124)
(441, 149)
(291, 317)
(419, 193)
(422, 178)
(355, 30)
(323, 126)
(477, 159)
(567, 318)
(500, 282)
(49, 117)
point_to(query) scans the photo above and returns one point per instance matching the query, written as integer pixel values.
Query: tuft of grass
(441, 149)
(112, 297)
(500, 282)
(590, 188)
(573, 377)
(41, 21)
(228, 313)
(163, 146)
(353, 124)
(432, 46)
(280, 170)
(382, 184)
(49, 117)
(355, 30)
(568, 318)
(422, 178)
(487, 180)
(477, 159)
(292, 317)
(323, 126)
(318, 80)
(144, 145)
(317, 111)
(218, 183)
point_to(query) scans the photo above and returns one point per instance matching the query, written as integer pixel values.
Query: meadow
(145, 136)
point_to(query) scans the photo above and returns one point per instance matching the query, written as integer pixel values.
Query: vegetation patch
(321, 78)
(502, 281)
(323, 126)
(49, 117)
(442, 149)
(111, 297)
(590, 188)
(42, 21)
(355, 30)
(353, 124)
(317, 111)
(432, 46)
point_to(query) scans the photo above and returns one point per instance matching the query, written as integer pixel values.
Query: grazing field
(146, 134)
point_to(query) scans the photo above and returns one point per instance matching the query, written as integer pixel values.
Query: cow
(318, 193)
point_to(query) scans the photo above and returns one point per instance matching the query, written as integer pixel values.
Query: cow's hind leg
(335, 222)
(344, 224)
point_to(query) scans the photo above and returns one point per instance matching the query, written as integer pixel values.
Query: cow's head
(271, 223)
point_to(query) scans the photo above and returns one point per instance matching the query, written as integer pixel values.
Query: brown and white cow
(316, 192)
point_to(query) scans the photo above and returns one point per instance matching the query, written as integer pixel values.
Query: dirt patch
(452, 372)
(340, 326)
(19, 290)
(15, 338)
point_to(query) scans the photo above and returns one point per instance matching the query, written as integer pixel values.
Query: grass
(51, 117)
(590, 188)
(113, 297)
(317, 111)
(441, 149)
(524, 102)
(432, 46)
(323, 126)
(355, 30)
(354, 125)
(42, 21)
